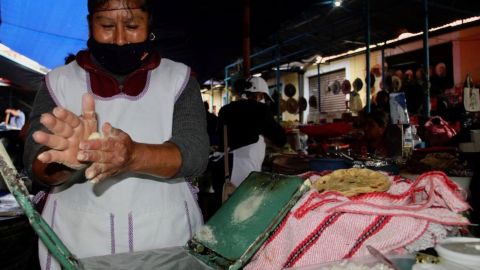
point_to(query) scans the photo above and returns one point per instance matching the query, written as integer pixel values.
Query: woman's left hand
(110, 155)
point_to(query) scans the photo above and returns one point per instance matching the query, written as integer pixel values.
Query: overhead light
(257, 75)
(337, 3)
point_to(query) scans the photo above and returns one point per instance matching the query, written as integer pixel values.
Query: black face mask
(120, 59)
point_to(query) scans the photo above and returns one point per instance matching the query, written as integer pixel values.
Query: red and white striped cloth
(328, 226)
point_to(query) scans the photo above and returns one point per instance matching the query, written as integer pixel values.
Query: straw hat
(302, 104)
(346, 86)
(357, 84)
(289, 90)
(376, 70)
(336, 87)
(292, 105)
(396, 83)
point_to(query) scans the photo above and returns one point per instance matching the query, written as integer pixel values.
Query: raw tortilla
(247, 208)
(205, 234)
(351, 182)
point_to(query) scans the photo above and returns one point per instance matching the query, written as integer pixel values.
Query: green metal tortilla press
(246, 220)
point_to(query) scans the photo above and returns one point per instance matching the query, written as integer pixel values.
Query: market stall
(319, 220)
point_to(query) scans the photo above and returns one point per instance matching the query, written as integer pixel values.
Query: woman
(250, 125)
(380, 138)
(154, 135)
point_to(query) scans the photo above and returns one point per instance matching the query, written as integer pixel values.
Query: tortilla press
(246, 220)
(227, 241)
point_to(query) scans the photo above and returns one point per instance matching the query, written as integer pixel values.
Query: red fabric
(440, 133)
(105, 85)
(327, 130)
(328, 226)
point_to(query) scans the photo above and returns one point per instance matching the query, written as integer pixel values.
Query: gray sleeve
(189, 131)
(43, 103)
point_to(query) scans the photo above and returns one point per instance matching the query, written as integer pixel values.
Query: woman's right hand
(66, 132)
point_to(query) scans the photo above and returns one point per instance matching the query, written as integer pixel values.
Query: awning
(46, 31)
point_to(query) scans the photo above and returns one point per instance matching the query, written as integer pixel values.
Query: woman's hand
(67, 131)
(110, 155)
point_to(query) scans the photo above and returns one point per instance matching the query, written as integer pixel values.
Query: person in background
(212, 120)
(381, 102)
(380, 138)
(14, 118)
(250, 125)
(124, 190)
(69, 58)
(12, 128)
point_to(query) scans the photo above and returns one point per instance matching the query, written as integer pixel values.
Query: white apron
(247, 159)
(128, 212)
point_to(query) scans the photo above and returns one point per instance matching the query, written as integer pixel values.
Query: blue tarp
(44, 30)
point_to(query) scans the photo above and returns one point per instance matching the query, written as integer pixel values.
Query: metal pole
(246, 39)
(426, 61)
(211, 88)
(226, 86)
(383, 66)
(367, 55)
(300, 92)
(318, 86)
(279, 93)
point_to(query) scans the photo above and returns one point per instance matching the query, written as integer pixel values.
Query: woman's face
(373, 131)
(118, 23)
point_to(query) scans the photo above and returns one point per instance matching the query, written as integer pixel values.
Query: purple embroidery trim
(130, 232)
(49, 256)
(187, 211)
(193, 189)
(112, 233)
(38, 197)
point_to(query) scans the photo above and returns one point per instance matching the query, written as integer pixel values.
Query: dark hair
(69, 58)
(206, 105)
(380, 117)
(381, 97)
(94, 5)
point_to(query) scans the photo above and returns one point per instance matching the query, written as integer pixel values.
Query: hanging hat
(289, 90)
(257, 85)
(292, 105)
(336, 87)
(302, 104)
(376, 70)
(357, 84)
(396, 83)
(408, 75)
(346, 86)
(372, 80)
